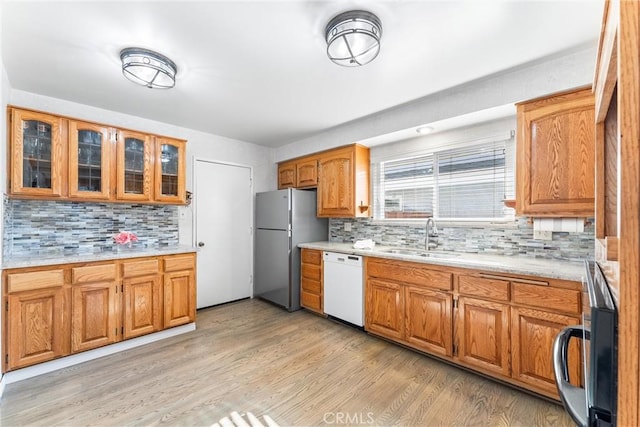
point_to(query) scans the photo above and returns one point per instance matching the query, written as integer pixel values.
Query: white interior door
(223, 199)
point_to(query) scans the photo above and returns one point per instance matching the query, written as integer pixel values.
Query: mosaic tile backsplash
(33, 226)
(495, 239)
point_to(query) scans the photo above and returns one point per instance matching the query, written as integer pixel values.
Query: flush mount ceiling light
(424, 130)
(148, 68)
(353, 38)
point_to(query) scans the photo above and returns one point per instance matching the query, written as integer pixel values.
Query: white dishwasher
(343, 287)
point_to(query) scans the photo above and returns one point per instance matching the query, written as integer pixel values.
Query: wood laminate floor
(297, 367)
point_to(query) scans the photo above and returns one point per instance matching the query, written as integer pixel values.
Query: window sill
(506, 223)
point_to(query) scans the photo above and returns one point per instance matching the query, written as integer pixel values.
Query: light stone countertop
(541, 267)
(35, 259)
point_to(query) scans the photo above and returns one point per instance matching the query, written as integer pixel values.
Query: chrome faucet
(430, 230)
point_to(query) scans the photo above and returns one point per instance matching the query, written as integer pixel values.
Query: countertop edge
(47, 260)
(552, 269)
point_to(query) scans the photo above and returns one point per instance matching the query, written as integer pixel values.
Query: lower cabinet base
(527, 388)
(74, 359)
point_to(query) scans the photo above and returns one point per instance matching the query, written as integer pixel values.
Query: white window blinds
(461, 183)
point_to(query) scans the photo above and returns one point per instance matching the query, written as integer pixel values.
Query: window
(467, 183)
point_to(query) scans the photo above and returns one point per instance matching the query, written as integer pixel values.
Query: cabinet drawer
(179, 263)
(140, 268)
(310, 256)
(18, 282)
(311, 285)
(93, 273)
(311, 301)
(484, 287)
(311, 272)
(408, 272)
(565, 300)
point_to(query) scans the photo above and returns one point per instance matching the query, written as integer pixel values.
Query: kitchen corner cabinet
(170, 170)
(59, 310)
(311, 288)
(556, 155)
(59, 158)
(37, 154)
(90, 153)
(343, 182)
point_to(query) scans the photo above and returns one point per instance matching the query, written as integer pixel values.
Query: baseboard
(74, 359)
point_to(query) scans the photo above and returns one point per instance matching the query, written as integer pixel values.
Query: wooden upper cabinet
(90, 157)
(37, 154)
(170, 167)
(343, 182)
(133, 166)
(556, 155)
(286, 175)
(307, 173)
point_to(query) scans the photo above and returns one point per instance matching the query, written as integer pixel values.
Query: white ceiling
(258, 72)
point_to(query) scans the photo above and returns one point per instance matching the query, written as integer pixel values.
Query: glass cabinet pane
(36, 152)
(169, 159)
(89, 160)
(134, 166)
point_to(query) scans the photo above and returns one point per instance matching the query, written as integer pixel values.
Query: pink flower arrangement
(125, 237)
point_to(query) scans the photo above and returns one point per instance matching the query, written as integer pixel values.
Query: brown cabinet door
(483, 339)
(170, 167)
(533, 333)
(93, 315)
(307, 173)
(133, 166)
(90, 158)
(555, 156)
(36, 330)
(429, 320)
(37, 154)
(286, 175)
(179, 298)
(311, 295)
(384, 309)
(335, 184)
(142, 305)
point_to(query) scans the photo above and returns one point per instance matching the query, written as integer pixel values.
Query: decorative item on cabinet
(555, 155)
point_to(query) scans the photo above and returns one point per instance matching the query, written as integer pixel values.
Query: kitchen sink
(421, 253)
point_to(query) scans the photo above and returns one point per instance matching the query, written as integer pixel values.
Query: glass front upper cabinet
(170, 170)
(36, 154)
(133, 166)
(89, 161)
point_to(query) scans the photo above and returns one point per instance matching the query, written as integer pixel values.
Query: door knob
(200, 244)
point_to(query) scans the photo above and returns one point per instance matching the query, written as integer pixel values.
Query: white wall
(518, 84)
(200, 144)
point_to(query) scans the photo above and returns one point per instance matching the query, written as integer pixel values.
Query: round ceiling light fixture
(148, 68)
(424, 130)
(353, 38)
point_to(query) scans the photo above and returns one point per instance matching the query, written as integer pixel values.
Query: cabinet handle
(515, 279)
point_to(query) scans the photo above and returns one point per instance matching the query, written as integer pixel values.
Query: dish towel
(364, 244)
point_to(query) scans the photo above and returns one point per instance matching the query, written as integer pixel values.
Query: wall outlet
(347, 226)
(542, 234)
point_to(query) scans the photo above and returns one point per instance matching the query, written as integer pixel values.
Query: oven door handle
(573, 398)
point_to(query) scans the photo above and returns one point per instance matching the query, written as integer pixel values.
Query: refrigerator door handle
(573, 398)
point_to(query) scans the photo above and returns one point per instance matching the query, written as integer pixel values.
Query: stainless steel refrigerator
(284, 218)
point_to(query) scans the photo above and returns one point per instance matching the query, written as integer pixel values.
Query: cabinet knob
(200, 244)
